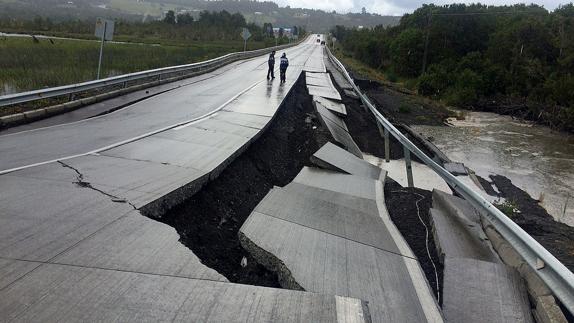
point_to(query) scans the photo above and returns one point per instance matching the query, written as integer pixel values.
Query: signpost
(104, 31)
(245, 34)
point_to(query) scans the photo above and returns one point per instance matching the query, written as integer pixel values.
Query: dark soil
(363, 128)
(407, 109)
(556, 237)
(403, 211)
(209, 222)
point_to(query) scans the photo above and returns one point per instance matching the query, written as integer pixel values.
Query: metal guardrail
(72, 89)
(557, 277)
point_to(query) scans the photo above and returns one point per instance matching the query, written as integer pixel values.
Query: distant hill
(258, 12)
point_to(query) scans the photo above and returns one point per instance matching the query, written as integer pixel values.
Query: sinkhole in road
(209, 221)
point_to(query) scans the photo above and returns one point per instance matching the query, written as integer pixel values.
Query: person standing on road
(283, 67)
(271, 61)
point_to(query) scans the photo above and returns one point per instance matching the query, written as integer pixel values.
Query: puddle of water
(536, 159)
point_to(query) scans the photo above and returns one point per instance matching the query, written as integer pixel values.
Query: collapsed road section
(270, 190)
(74, 245)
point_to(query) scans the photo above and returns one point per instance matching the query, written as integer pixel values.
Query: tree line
(500, 58)
(181, 28)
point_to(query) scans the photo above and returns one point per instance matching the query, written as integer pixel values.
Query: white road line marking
(207, 115)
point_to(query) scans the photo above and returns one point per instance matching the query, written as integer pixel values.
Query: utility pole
(425, 54)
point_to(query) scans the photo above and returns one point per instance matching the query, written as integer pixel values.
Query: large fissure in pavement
(209, 221)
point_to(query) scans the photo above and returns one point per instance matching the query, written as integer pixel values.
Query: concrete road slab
(57, 293)
(243, 119)
(139, 244)
(338, 159)
(334, 106)
(325, 263)
(328, 217)
(338, 130)
(42, 218)
(216, 139)
(163, 151)
(359, 204)
(134, 175)
(103, 107)
(457, 238)
(455, 205)
(326, 113)
(319, 79)
(222, 126)
(264, 99)
(481, 291)
(12, 270)
(315, 61)
(456, 168)
(325, 92)
(337, 182)
(341, 81)
(343, 138)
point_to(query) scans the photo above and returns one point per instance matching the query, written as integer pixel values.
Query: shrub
(404, 108)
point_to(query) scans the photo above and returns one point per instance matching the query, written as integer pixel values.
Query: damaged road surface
(74, 244)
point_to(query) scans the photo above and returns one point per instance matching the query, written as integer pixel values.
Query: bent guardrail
(182, 70)
(557, 277)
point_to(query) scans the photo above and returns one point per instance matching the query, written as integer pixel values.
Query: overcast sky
(392, 7)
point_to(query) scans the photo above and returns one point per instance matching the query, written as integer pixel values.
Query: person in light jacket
(271, 61)
(283, 67)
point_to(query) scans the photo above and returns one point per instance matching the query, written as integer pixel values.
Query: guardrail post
(385, 135)
(409, 167)
(387, 146)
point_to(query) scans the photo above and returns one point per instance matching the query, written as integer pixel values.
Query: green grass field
(25, 65)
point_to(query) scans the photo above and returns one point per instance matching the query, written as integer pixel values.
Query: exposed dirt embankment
(209, 221)
(556, 237)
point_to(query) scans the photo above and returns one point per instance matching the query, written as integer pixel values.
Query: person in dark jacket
(271, 61)
(283, 67)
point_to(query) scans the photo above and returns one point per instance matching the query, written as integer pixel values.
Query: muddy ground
(209, 222)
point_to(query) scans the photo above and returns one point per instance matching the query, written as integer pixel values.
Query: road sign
(245, 34)
(104, 31)
(105, 27)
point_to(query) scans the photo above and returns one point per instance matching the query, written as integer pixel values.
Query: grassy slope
(26, 65)
(399, 99)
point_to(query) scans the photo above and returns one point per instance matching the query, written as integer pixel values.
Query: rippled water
(536, 159)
